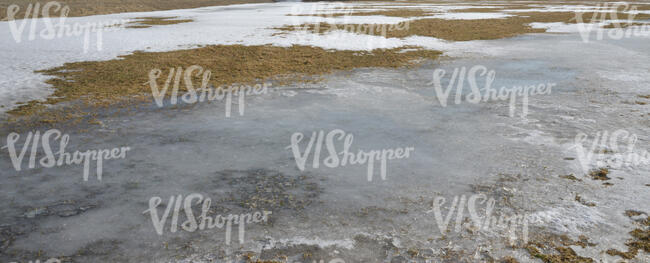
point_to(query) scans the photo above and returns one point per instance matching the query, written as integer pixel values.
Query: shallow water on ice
(459, 150)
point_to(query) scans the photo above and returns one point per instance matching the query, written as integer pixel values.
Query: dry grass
(100, 7)
(477, 10)
(454, 30)
(563, 254)
(570, 17)
(561, 244)
(645, 7)
(490, 9)
(465, 30)
(144, 22)
(390, 12)
(599, 174)
(109, 82)
(623, 25)
(640, 241)
(551, 248)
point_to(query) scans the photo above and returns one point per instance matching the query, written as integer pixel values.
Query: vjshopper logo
(57, 27)
(615, 150)
(205, 221)
(338, 21)
(64, 157)
(486, 93)
(507, 224)
(206, 92)
(615, 29)
(343, 157)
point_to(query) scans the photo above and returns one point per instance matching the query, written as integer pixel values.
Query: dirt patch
(105, 83)
(87, 8)
(144, 22)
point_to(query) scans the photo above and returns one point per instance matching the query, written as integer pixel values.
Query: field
(341, 131)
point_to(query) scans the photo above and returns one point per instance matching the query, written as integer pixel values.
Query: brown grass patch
(477, 10)
(640, 240)
(102, 7)
(645, 7)
(556, 248)
(623, 25)
(395, 13)
(465, 30)
(108, 82)
(144, 22)
(600, 174)
(390, 12)
(571, 17)
(562, 255)
(454, 30)
(490, 9)
(633, 213)
(599, 17)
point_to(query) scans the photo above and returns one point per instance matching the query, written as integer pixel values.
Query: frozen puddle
(244, 164)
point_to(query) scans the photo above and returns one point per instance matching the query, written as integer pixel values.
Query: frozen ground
(459, 150)
(335, 212)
